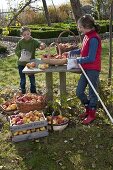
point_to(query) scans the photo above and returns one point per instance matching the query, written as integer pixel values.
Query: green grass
(78, 147)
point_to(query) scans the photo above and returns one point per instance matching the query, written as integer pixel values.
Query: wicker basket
(26, 107)
(51, 60)
(72, 46)
(54, 61)
(5, 111)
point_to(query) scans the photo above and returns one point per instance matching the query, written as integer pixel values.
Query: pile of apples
(56, 56)
(22, 132)
(43, 66)
(31, 98)
(9, 106)
(57, 120)
(31, 65)
(66, 45)
(25, 118)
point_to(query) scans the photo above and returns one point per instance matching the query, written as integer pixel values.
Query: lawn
(78, 147)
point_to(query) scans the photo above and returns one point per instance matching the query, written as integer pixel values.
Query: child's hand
(42, 46)
(79, 60)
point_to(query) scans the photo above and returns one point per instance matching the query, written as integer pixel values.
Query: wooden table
(49, 77)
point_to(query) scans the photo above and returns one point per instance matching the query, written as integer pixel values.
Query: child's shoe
(91, 117)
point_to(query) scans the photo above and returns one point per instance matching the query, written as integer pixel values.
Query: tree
(16, 14)
(46, 13)
(28, 2)
(76, 8)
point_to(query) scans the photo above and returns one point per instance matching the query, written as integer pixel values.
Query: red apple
(20, 122)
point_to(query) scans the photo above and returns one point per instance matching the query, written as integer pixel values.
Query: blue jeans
(90, 100)
(23, 81)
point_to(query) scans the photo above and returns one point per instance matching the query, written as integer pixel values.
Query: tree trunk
(77, 12)
(46, 13)
(76, 8)
(110, 45)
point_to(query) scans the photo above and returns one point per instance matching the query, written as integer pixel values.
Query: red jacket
(96, 65)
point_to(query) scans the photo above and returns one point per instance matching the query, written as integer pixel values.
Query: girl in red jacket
(90, 59)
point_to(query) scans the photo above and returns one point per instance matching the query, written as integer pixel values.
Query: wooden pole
(110, 45)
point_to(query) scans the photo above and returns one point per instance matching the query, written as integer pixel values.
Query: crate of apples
(31, 125)
(29, 134)
(27, 118)
(58, 123)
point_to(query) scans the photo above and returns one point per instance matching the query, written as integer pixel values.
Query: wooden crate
(29, 136)
(28, 131)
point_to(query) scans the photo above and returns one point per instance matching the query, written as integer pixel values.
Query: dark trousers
(90, 100)
(23, 81)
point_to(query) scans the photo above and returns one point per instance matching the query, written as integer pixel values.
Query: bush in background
(3, 48)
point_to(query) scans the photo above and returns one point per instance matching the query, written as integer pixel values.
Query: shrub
(3, 48)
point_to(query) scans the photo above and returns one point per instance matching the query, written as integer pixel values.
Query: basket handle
(54, 44)
(65, 32)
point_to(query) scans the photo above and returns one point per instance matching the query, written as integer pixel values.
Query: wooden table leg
(62, 76)
(49, 86)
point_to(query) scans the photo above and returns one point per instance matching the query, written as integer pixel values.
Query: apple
(33, 64)
(24, 131)
(28, 65)
(36, 112)
(20, 133)
(17, 119)
(37, 118)
(28, 131)
(33, 130)
(28, 120)
(37, 130)
(27, 115)
(24, 119)
(16, 133)
(13, 121)
(32, 118)
(42, 128)
(45, 55)
(20, 122)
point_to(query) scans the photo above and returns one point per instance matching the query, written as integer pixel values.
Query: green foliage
(5, 31)
(42, 31)
(1, 30)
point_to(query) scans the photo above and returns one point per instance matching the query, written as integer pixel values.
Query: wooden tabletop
(50, 69)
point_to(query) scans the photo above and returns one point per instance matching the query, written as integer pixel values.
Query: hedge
(43, 31)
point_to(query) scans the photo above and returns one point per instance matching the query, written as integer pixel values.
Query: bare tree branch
(16, 15)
